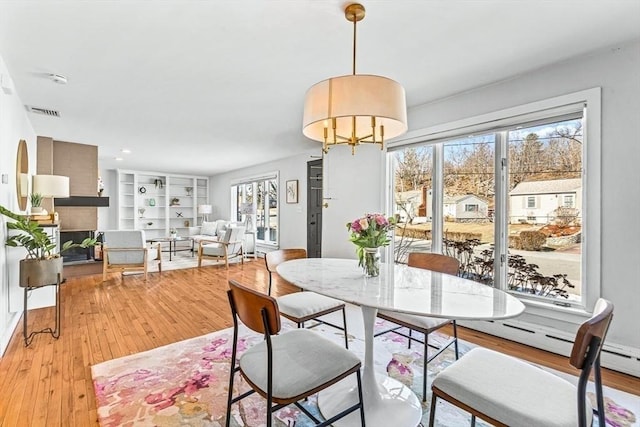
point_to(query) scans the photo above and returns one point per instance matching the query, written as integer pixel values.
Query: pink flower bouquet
(369, 233)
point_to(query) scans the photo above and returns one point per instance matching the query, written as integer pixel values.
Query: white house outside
(537, 202)
(468, 207)
(465, 208)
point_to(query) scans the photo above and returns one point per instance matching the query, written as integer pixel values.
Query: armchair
(228, 246)
(126, 250)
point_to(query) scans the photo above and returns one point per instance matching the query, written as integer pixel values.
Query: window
(254, 201)
(568, 201)
(531, 202)
(524, 161)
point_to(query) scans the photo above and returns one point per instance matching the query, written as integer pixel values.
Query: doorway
(314, 208)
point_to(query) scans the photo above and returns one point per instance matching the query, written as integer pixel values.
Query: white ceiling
(210, 86)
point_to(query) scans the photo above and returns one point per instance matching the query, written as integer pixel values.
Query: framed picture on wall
(292, 191)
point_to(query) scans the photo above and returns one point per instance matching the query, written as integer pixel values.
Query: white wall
(108, 217)
(293, 217)
(14, 126)
(354, 186)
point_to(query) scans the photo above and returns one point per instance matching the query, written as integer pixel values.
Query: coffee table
(400, 288)
(173, 248)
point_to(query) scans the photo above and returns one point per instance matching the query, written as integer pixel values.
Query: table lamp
(205, 210)
(247, 209)
(51, 186)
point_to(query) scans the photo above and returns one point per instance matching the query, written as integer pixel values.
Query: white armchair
(209, 230)
(126, 250)
(228, 246)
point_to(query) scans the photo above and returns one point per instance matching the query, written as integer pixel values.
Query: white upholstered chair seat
(214, 249)
(484, 380)
(417, 322)
(226, 247)
(302, 361)
(305, 304)
(302, 306)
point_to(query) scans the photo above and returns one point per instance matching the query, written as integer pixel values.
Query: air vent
(43, 111)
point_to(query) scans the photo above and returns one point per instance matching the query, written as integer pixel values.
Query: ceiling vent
(43, 111)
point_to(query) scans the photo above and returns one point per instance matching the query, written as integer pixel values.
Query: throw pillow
(208, 228)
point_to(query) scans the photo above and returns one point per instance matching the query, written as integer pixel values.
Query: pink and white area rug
(185, 383)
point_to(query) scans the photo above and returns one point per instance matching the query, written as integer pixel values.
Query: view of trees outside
(544, 202)
(244, 194)
(267, 210)
(545, 181)
(266, 204)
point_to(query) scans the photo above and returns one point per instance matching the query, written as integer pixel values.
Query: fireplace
(76, 254)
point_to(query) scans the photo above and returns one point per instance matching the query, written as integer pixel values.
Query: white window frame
(591, 179)
(529, 199)
(234, 206)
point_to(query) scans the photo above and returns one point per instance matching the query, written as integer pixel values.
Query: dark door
(314, 208)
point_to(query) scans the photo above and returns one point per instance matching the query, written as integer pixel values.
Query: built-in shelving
(158, 202)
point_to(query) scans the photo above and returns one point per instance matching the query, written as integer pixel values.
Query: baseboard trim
(8, 332)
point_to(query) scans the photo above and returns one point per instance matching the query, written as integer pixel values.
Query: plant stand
(55, 333)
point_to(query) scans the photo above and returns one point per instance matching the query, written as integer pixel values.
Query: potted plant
(42, 263)
(36, 201)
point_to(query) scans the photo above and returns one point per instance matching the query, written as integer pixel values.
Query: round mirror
(22, 175)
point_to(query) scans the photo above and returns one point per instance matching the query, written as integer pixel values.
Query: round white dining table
(399, 288)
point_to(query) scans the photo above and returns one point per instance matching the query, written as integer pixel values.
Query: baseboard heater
(614, 356)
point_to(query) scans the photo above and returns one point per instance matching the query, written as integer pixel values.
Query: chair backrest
(233, 234)
(274, 258)
(434, 262)
(247, 304)
(125, 239)
(592, 332)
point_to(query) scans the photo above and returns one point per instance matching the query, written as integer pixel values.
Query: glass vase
(371, 262)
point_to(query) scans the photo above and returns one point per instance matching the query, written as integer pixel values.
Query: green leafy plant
(36, 199)
(31, 236)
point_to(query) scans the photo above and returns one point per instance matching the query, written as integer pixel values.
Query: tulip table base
(387, 402)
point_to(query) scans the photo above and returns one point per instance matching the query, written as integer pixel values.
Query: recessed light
(126, 150)
(119, 159)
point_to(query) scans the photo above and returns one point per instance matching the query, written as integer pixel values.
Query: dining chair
(126, 250)
(285, 368)
(423, 324)
(226, 247)
(506, 391)
(300, 307)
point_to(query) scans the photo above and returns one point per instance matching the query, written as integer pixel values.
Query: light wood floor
(49, 382)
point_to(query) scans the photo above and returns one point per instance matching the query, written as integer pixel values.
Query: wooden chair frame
(585, 355)
(442, 264)
(225, 257)
(260, 313)
(109, 268)
(271, 261)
